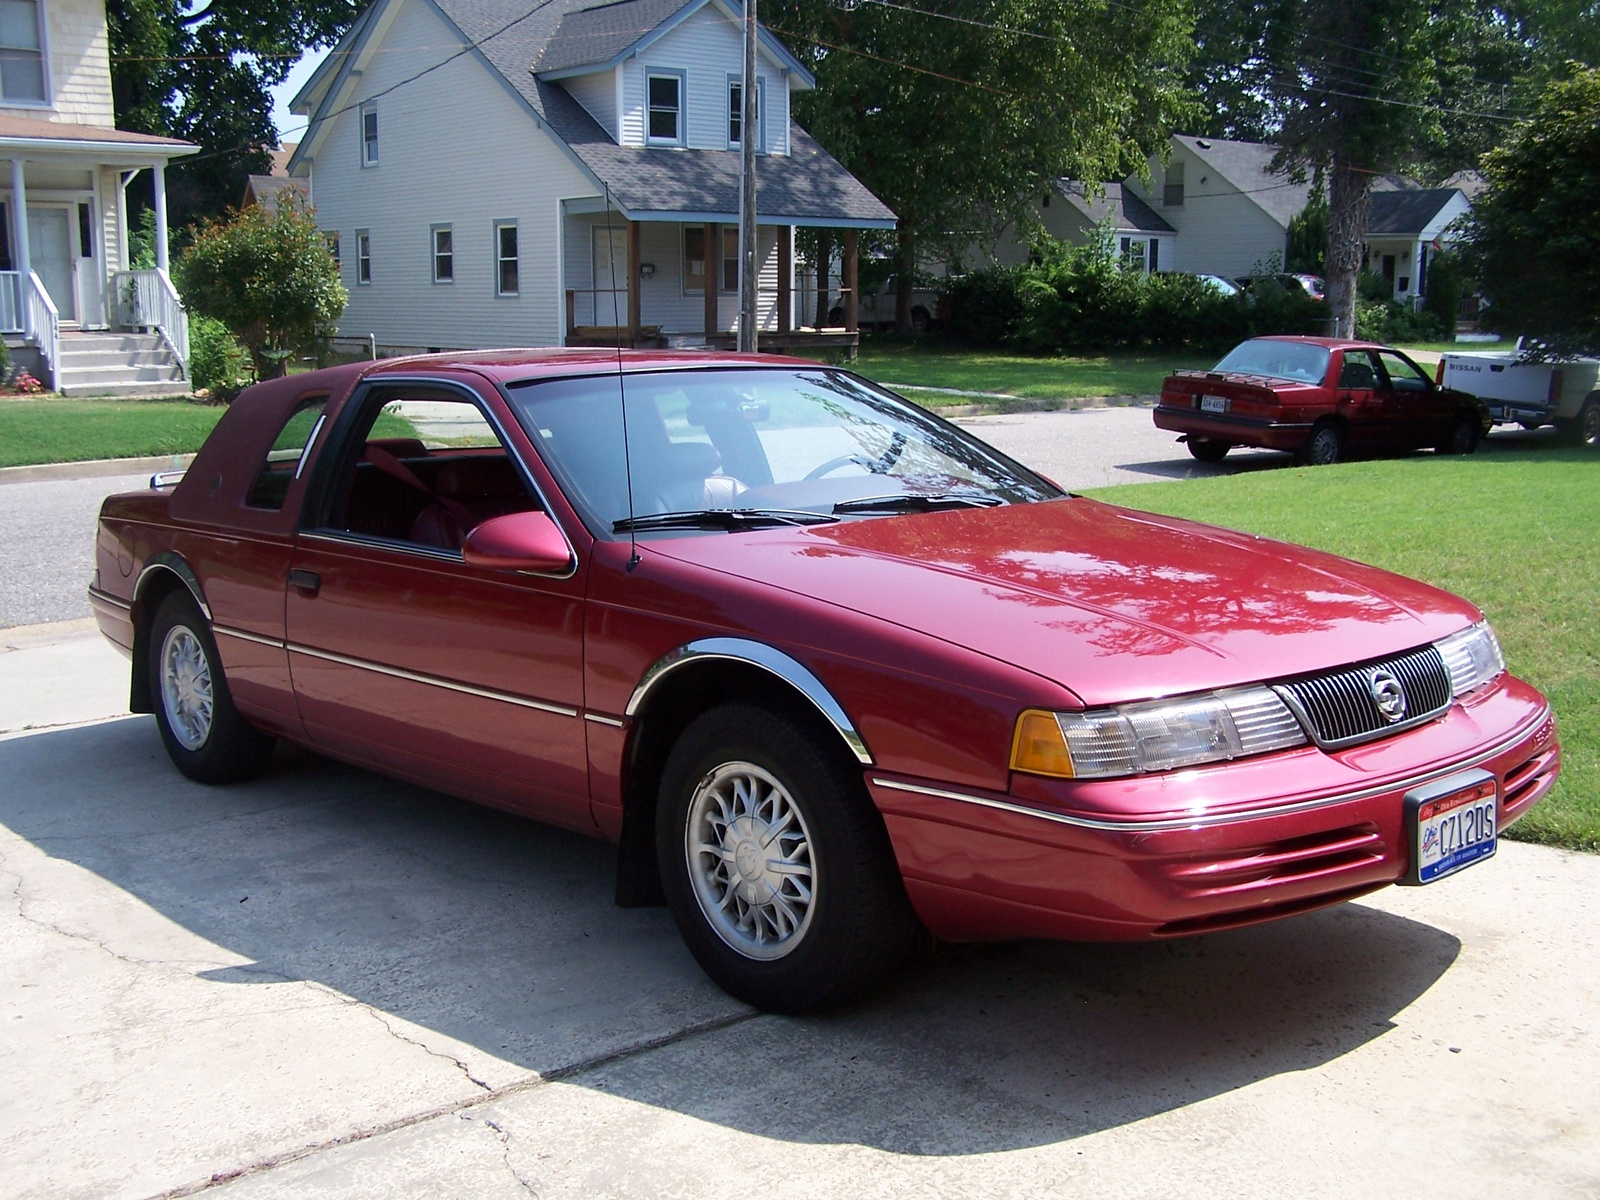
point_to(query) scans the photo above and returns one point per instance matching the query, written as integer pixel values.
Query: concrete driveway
(326, 983)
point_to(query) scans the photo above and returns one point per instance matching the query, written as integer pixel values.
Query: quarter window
(369, 136)
(282, 464)
(21, 52)
(444, 255)
(506, 254)
(665, 102)
(363, 256)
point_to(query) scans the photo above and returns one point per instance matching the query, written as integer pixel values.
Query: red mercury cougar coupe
(829, 671)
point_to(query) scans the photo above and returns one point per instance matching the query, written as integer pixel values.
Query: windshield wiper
(730, 519)
(916, 502)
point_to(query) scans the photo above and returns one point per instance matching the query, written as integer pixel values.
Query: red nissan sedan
(831, 673)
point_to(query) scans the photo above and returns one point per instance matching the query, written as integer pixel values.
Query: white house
(1405, 229)
(492, 174)
(1069, 212)
(63, 230)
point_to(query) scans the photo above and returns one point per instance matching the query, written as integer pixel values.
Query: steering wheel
(876, 466)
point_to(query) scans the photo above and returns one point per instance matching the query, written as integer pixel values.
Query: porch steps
(118, 364)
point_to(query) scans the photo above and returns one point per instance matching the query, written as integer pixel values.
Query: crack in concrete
(426, 1049)
(505, 1144)
(536, 1080)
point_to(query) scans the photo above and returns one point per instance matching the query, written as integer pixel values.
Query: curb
(94, 468)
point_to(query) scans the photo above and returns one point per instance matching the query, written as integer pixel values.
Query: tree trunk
(1349, 205)
(906, 252)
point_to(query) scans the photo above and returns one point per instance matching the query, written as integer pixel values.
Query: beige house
(69, 306)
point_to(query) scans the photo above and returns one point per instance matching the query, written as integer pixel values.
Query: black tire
(1463, 437)
(204, 734)
(921, 322)
(1587, 430)
(1324, 447)
(1207, 449)
(830, 916)
(836, 315)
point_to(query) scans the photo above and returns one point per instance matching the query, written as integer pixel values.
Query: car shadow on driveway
(501, 933)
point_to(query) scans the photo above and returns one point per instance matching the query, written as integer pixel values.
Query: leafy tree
(1532, 241)
(1308, 236)
(961, 114)
(201, 71)
(268, 277)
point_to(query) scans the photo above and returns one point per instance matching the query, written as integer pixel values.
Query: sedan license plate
(1452, 824)
(1217, 404)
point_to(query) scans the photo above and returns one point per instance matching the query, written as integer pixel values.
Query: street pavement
(325, 983)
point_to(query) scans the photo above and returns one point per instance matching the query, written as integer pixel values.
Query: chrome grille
(1339, 708)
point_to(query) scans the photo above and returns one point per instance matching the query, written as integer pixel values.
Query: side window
(664, 101)
(1403, 376)
(21, 53)
(284, 459)
(369, 136)
(1357, 373)
(428, 469)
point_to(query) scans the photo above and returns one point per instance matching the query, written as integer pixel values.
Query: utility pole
(748, 135)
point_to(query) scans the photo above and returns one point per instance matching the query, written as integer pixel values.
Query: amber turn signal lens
(1039, 747)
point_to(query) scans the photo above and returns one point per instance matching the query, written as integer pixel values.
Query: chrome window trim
(167, 560)
(560, 710)
(1204, 821)
(768, 658)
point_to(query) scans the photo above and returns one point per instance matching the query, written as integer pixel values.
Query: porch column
(19, 241)
(633, 282)
(160, 174)
(713, 278)
(785, 278)
(852, 302)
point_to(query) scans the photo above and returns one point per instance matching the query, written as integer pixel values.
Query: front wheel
(1207, 450)
(1324, 447)
(1588, 427)
(204, 734)
(1463, 438)
(776, 866)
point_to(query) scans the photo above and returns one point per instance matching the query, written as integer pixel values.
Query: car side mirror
(519, 541)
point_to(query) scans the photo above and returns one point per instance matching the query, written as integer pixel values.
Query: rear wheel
(1207, 449)
(1324, 447)
(1463, 437)
(204, 734)
(1588, 430)
(776, 867)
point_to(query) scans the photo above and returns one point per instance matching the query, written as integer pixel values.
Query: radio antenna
(622, 386)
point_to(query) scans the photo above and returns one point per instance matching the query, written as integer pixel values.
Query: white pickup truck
(1565, 394)
(877, 308)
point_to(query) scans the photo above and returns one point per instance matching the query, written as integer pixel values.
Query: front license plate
(1453, 824)
(1213, 404)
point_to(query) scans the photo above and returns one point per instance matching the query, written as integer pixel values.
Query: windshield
(1278, 360)
(778, 441)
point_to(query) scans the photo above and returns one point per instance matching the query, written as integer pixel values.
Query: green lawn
(47, 431)
(1517, 531)
(1049, 379)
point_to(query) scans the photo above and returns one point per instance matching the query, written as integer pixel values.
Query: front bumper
(1235, 430)
(1198, 850)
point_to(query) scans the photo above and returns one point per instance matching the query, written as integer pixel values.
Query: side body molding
(166, 560)
(756, 654)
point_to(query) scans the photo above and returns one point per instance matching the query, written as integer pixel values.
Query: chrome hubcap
(750, 861)
(186, 696)
(1591, 426)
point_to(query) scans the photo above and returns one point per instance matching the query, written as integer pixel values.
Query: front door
(405, 657)
(53, 254)
(610, 275)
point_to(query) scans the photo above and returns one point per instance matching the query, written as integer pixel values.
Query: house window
(332, 239)
(21, 53)
(1133, 254)
(694, 258)
(1172, 193)
(505, 258)
(730, 258)
(444, 255)
(736, 112)
(363, 256)
(369, 134)
(665, 102)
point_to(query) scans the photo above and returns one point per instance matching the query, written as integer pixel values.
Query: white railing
(44, 325)
(147, 300)
(11, 302)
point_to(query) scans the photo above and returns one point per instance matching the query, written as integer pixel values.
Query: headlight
(1472, 657)
(1155, 735)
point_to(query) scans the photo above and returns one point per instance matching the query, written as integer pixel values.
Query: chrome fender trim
(756, 654)
(166, 560)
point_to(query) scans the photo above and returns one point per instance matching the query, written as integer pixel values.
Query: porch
(660, 283)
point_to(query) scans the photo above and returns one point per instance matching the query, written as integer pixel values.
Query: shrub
(1390, 321)
(215, 357)
(1443, 300)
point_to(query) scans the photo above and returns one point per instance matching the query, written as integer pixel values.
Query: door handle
(306, 581)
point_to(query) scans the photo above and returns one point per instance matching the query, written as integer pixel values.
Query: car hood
(1110, 603)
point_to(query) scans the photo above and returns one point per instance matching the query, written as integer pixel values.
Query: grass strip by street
(1515, 531)
(1052, 379)
(52, 431)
